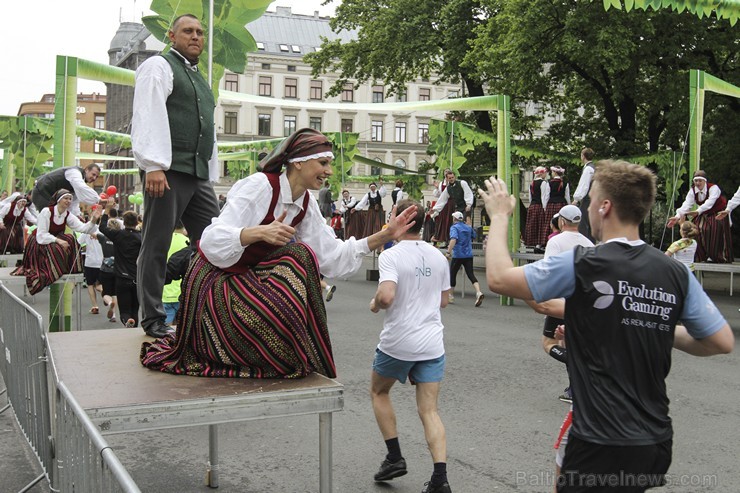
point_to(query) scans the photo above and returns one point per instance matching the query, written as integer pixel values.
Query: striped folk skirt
(715, 240)
(374, 221)
(267, 323)
(11, 239)
(537, 227)
(354, 223)
(43, 265)
(442, 223)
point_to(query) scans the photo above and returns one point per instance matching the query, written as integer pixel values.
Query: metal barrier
(85, 462)
(23, 366)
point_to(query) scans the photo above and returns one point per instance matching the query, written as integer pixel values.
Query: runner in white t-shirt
(414, 284)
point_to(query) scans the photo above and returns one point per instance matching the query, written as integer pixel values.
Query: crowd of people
(250, 302)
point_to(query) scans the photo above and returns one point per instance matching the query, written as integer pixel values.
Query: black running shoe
(389, 470)
(566, 396)
(436, 488)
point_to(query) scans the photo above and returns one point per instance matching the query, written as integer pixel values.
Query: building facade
(91, 112)
(277, 70)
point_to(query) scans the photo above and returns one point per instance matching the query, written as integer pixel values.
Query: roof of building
(287, 34)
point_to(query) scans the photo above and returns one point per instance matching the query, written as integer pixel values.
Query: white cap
(571, 213)
(458, 215)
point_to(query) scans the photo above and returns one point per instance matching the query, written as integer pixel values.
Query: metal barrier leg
(325, 453)
(78, 292)
(212, 473)
(32, 484)
(62, 321)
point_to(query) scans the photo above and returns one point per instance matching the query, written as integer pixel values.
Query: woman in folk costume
(354, 221)
(538, 226)
(251, 303)
(13, 212)
(443, 218)
(50, 252)
(372, 201)
(559, 193)
(715, 240)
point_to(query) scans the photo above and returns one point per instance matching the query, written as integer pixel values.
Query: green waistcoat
(190, 111)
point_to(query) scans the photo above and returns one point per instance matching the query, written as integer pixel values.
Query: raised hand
(497, 200)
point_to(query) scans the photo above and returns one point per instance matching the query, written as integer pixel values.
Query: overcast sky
(39, 30)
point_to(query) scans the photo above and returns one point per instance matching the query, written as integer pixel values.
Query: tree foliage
(620, 80)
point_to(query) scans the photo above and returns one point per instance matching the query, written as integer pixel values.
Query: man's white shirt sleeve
(150, 126)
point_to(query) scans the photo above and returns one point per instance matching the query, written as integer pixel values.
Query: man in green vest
(174, 144)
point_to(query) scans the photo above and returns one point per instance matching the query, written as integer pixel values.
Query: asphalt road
(498, 403)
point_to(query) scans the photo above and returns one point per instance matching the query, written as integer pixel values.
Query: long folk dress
(13, 217)
(537, 226)
(44, 260)
(257, 312)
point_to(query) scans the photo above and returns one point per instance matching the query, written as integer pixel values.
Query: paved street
(498, 402)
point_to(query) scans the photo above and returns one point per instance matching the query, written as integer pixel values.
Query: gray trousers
(189, 199)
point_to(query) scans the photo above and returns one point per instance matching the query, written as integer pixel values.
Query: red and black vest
(719, 205)
(256, 252)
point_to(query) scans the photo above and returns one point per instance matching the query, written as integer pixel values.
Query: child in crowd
(684, 249)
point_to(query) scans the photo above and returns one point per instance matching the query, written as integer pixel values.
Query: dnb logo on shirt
(607, 295)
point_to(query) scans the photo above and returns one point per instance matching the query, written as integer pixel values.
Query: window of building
(284, 48)
(400, 132)
(265, 86)
(289, 125)
(423, 133)
(376, 131)
(453, 94)
(348, 93)
(425, 94)
(99, 124)
(377, 94)
(232, 82)
(317, 90)
(402, 97)
(315, 123)
(260, 45)
(401, 164)
(264, 124)
(347, 125)
(291, 68)
(230, 122)
(265, 66)
(291, 88)
(295, 48)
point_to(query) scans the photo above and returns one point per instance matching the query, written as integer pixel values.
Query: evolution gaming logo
(607, 295)
(636, 299)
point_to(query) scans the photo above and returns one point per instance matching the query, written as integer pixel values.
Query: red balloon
(103, 196)
(111, 190)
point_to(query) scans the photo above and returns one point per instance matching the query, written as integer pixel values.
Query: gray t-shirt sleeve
(553, 277)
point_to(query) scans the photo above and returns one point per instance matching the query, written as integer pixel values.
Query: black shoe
(389, 470)
(436, 488)
(158, 330)
(566, 396)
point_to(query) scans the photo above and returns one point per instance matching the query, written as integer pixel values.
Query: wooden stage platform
(120, 395)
